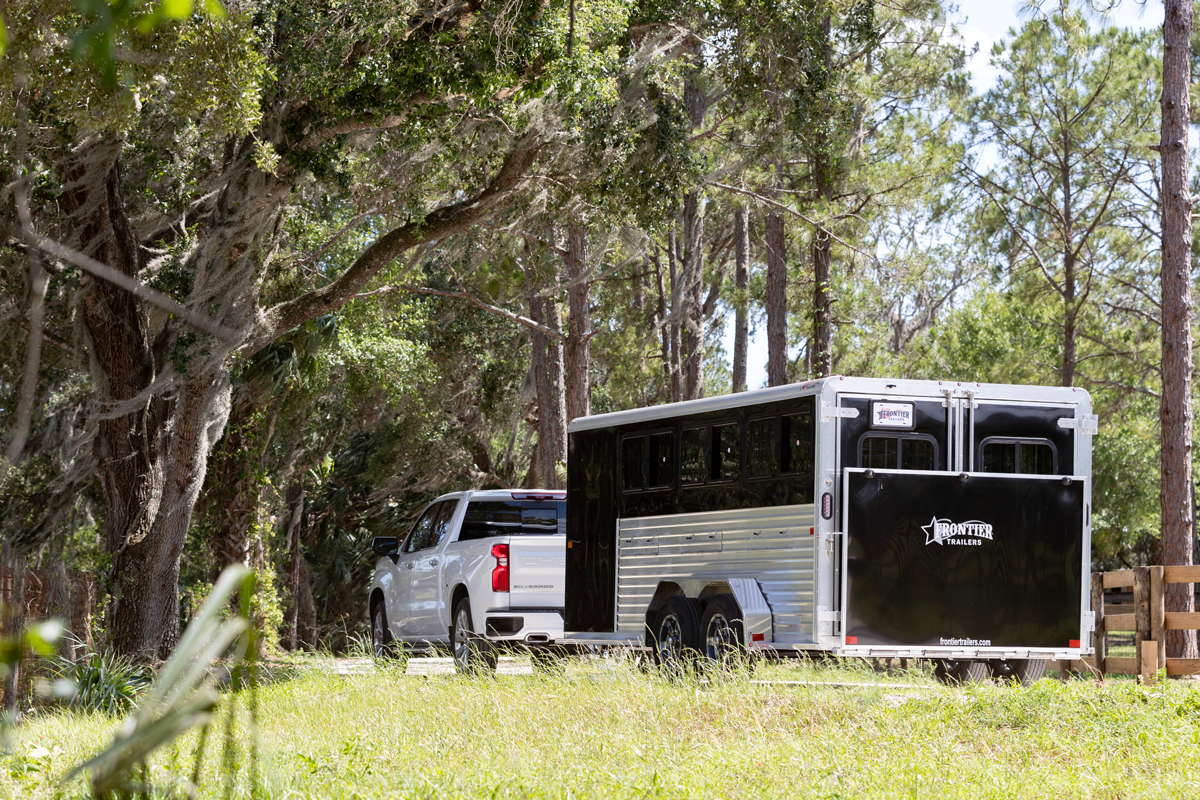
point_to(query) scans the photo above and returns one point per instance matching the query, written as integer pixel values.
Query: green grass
(604, 730)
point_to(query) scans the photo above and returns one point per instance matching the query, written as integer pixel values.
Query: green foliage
(106, 683)
(181, 697)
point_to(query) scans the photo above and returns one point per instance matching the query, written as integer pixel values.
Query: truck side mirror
(385, 545)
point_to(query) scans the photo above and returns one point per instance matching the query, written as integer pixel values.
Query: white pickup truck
(477, 572)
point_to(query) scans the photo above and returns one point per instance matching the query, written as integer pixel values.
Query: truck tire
(723, 631)
(1026, 671)
(956, 673)
(473, 654)
(383, 645)
(677, 633)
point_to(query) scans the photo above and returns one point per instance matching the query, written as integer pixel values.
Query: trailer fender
(756, 611)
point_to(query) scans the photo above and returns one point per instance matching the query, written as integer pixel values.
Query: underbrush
(604, 728)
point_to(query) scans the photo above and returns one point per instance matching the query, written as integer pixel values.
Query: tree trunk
(676, 329)
(693, 284)
(1176, 407)
(741, 282)
(295, 505)
(16, 625)
(234, 490)
(549, 386)
(777, 359)
(578, 347)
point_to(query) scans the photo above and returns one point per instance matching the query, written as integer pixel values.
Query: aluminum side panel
(774, 546)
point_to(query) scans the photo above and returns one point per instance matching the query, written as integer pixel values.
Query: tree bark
(578, 347)
(693, 284)
(295, 505)
(741, 282)
(16, 625)
(676, 313)
(777, 358)
(549, 386)
(1176, 404)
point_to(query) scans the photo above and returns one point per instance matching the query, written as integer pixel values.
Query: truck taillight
(500, 573)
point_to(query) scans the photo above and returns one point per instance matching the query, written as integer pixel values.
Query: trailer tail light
(851, 640)
(1073, 643)
(827, 506)
(500, 572)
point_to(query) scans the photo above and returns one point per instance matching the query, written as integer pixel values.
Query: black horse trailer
(853, 516)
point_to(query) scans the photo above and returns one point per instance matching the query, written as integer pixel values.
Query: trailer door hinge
(825, 615)
(1089, 621)
(1087, 424)
(831, 412)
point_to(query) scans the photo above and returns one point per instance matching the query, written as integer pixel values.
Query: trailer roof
(878, 386)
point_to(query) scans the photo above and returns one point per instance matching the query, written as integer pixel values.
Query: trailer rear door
(940, 559)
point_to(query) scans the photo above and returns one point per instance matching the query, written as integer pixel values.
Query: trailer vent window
(1019, 456)
(693, 456)
(905, 451)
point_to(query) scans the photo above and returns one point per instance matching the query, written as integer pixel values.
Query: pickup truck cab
(478, 571)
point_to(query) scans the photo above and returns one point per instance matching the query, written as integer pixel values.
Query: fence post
(1147, 661)
(1158, 617)
(1099, 637)
(1141, 608)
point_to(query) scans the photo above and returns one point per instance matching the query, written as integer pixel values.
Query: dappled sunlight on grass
(606, 729)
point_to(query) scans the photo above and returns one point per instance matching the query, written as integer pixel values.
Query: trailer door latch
(1087, 424)
(831, 412)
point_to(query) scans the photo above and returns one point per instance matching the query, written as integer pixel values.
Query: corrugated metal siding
(771, 545)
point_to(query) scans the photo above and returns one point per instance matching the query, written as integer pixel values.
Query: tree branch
(445, 221)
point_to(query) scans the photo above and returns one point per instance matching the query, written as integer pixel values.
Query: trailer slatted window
(797, 455)
(727, 452)
(633, 453)
(761, 447)
(693, 456)
(660, 460)
(1019, 456)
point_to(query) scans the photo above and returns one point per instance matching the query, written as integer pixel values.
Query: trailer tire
(958, 672)
(676, 633)
(1025, 671)
(723, 631)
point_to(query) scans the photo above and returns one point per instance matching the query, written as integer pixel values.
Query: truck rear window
(487, 518)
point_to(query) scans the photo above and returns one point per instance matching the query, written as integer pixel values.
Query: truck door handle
(433, 562)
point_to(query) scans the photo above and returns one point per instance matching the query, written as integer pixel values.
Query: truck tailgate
(537, 571)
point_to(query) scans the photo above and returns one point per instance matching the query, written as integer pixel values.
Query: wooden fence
(1131, 600)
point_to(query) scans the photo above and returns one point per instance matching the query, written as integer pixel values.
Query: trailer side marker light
(851, 640)
(1073, 643)
(812, 531)
(569, 544)
(757, 637)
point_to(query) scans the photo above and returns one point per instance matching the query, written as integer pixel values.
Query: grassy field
(603, 729)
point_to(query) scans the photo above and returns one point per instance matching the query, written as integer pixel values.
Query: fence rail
(1146, 617)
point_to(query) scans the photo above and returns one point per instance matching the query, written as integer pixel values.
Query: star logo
(943, 531)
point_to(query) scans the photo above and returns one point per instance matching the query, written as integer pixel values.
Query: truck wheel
(724, 632)
(383, 646)
(473, 654)
(1026, 671)
(677, 633)
(955, 672)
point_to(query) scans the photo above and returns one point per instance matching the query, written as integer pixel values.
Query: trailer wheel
(677, 633)
(955, 672)
(1026, 671)
(724, 632)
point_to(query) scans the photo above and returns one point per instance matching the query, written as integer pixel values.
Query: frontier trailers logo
(943, 531)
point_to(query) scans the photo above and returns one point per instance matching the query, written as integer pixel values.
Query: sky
(979, 21)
